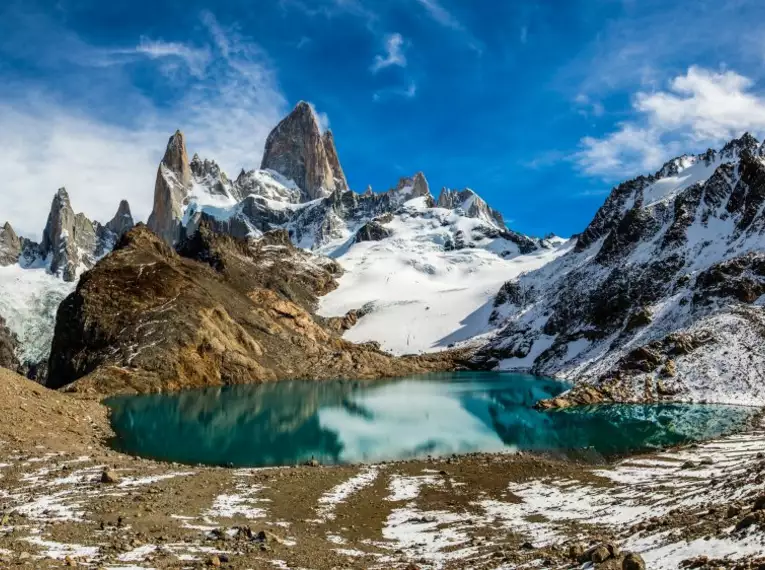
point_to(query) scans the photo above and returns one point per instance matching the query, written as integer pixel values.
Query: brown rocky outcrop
(10, 245)
(297, 150)
(222, 311)
(170, 190)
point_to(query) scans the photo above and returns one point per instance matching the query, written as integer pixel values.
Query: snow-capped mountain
(35, 278)
(409, 258)
(662, 294)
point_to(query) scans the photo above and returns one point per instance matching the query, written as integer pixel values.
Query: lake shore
(480, 510)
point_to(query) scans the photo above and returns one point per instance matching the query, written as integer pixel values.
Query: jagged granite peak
(296, 150)
(58, 237)
(10, 245)
(410, 187)
(746, 142)
(334, 161)
(170, 190)
(471, 203)
(122, 222)
(209, 175)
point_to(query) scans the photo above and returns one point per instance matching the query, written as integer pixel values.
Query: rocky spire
(296, 149)
(170, 189)
(122, 222)
(472, 204)
(10, 245)
(334, 161)
(412, 187)
(58, 237)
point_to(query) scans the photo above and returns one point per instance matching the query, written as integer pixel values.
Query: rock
(706, 461)
(170, 190)
(372, 231)
(575, 551)
(633, 561)
(296, 150)
(733, 511)
(214, 561)
(10, 245)
(688, 465)
(109, 476)
(122, 222)
(759, 503)
(599, 554)
(334, 161)
(68, 561)
(750, 519)
(670, 369)
(8, 345)
(471, 204)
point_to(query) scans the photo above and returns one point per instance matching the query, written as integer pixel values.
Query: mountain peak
(170, 189)
(297, 150)
(122, 221)
(471, 203)
(10, 245)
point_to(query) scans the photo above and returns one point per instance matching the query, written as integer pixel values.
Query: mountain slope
(661, 296)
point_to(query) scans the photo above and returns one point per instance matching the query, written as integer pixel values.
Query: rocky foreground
(68, 500)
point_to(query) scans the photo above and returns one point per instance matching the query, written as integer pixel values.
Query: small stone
(747, 521)
(688, 465)
(527, 546)
(575, 551)
(707, 461)
(214, 561)
(109, 476)
(599, 554)
(759, 503)
(733, 511)
(68, 561)
(633, 561)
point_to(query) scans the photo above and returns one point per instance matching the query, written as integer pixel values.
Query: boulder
(633, 561)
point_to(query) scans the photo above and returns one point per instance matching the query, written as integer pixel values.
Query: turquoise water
(285, 423)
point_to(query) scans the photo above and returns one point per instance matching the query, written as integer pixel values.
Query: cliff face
(10, 245)
(170, 190)
(297, 150)
(221, 311)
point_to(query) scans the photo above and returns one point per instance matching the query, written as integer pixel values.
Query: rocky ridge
(661, 296)
(217, 311)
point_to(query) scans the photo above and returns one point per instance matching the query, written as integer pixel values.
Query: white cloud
(524, 37)
(102, 155)
(321, 117)
(588, 107)
(440, 14)
(700, 109)
(394, 54)
(195, 58)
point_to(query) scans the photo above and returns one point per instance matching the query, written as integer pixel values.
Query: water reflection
(342, 422)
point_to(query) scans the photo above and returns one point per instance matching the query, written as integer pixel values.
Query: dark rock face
(372, 231)
(8, 344)
(122, 222)
(170, 190)
(10, 245)
(296, 150)
(232, 311)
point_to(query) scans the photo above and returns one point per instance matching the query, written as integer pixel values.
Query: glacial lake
(335, 422)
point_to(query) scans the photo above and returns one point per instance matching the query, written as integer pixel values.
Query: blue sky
(539, 106)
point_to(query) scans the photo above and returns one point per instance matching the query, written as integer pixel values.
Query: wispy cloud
(440, 14)
(195, 58)
(229, 101)
(394, 54)
(698, 109)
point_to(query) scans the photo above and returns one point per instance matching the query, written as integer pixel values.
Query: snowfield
(419, 297)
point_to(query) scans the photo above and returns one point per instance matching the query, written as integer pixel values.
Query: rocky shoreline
(68, 499)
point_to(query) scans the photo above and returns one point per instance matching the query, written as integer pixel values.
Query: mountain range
(659, 298)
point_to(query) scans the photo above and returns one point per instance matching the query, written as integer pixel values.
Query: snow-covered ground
(29, 299)
(420, 297)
